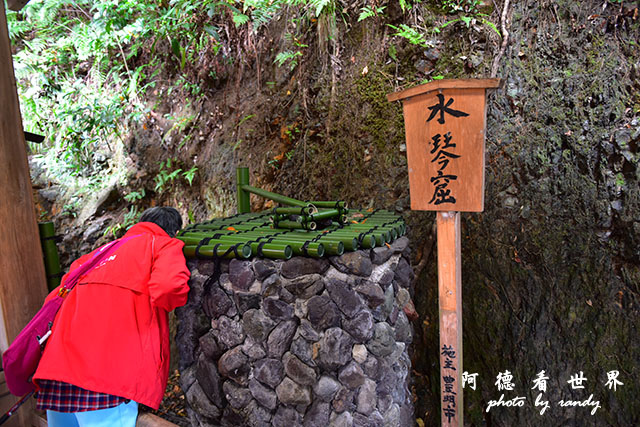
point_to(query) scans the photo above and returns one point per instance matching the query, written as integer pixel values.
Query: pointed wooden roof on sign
(445, 84)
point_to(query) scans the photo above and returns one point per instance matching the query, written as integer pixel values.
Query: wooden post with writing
(445, 131)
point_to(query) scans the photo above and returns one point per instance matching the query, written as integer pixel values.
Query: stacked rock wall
(304, 342)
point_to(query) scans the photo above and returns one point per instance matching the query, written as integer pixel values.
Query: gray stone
(383, 311)
(402, 297)
(386, 278)
(323, 313)
(351, 375)
(189, 329)
(334, 349)
(326, 388)
(393, 316)
(246, 301)
(300, 266)
(209, 380)
(253, 349)
(230, 417)
(97, 202)
(345, 419)
(187, 377)
(233, 364)
(200, 403)
(277, 309)
(392, 416)
(268, 371)
(371, 367)
(257, 325)
(345, 298)
(380, 255)
(317, 415)
(240, 274)
(400, 245)
(300, 308)
(291, 393)
(402, 328)
(357, 263)
(287, 417)
(280, 338)
(228, 332)
(366, 399)
(404, 273)
(383, 342)
(238, 397)
(209, 346)
(383, 274)
(264, 395)
(343, 400)
(256, 415)
(285, 295)
(359, 353)
(206, 267)
(216, 302)
(432, 54)
(303, 350)
(306, 331)
(263, 268)
(396, 354)
(305, 287)
(384, 400)
(371, 292)
(333, 273)
(225, 283)
(374, 419)
(360, 327)
(298, 371)
(269, 282)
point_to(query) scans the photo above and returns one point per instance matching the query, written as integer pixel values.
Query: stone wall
(303, 342)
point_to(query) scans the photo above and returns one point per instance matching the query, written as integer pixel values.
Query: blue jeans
(123, 415)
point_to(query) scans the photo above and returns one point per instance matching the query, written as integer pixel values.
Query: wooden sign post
(444, 128)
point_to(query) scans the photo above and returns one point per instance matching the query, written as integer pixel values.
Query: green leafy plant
(135, 196)
(190, 174)
(130, 218)
(288, 57)
(368, 12)
(411, 34)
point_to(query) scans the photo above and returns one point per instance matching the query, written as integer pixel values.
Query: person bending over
(109, 346)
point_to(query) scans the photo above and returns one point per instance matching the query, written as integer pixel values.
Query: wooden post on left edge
(450, 306)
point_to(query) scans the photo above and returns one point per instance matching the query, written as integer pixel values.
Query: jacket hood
(147, 227)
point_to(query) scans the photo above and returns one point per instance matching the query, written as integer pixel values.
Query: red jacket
(111, 334)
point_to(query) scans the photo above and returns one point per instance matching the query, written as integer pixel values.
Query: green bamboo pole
(331, 213)
(295, 225)
(50, 253)
(274, 196)
(242, 178)
(243, 249)
(316, 249)
(306, 210)
(330, 204)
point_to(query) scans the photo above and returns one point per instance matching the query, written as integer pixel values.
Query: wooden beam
(450, 304)
(16, 5)
(23, 285)
(445, 84)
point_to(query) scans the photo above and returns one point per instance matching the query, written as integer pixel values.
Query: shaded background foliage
(296, 91)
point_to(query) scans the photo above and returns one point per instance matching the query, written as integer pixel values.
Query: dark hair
(168, 219)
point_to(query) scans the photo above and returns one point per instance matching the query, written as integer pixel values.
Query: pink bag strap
(98, 256)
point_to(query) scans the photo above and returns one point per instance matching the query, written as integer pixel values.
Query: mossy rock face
(551, 267)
